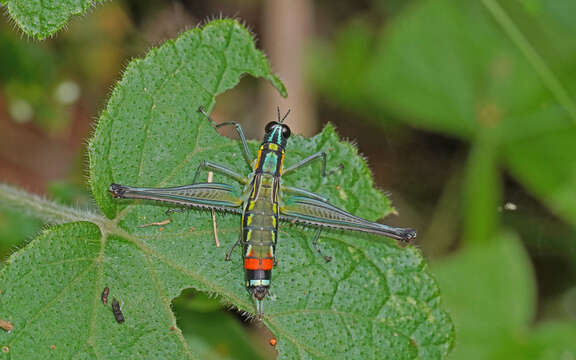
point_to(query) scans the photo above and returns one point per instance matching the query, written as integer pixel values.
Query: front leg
(222, 170)
(245, 149)
(306, 161)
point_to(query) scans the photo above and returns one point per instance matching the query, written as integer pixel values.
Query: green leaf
(51, 293)
(482, 190)
(151, 121)
(491, 292)
(533, 6)
(553, 340)
(15, 229)
(40, 18)
(339, 68)
(374, 300)
(454, 77)
(222, 331)
(545, 163)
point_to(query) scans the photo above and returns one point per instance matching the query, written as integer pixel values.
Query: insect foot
(117, 190)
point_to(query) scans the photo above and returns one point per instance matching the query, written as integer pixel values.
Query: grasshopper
(265, 203)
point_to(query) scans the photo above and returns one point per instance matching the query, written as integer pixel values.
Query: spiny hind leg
(176, 210)
(317, 246)
(208, 165)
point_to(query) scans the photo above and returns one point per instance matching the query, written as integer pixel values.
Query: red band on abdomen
(258, 264)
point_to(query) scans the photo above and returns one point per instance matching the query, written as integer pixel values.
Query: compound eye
(286, 131)
(269, 126)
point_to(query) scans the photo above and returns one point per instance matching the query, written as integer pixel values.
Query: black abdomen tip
(117, 190)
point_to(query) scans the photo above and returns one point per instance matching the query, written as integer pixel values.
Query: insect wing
(215, 196)
(314, 212)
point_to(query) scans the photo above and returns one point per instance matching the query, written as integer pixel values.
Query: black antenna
(287, 112)
(278, 110)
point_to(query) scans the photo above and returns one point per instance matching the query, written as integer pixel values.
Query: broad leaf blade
(492, 324)
(138, 156)
(51, 293)
(374, 300)
(149, 132)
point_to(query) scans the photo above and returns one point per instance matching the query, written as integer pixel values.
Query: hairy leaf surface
(42, 18)
(375, 300)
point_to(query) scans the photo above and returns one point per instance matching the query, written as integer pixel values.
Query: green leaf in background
(15, 229)
(482, 190)
(561, 334)
(533, 6)
(374, 300)
(223, 333)
(490, 290)
(456, 76)
(465, 74)
(491, 293)
(339, 68)
(469, 72)
(42, 18)
(29, 80)
(546, 164)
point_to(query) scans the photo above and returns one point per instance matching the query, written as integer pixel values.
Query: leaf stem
(532, 56)
(41, 208)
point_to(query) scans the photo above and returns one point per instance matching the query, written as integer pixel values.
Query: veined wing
(314, 212)
(215, 196)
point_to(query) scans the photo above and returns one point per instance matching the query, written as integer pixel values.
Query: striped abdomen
(260, 229)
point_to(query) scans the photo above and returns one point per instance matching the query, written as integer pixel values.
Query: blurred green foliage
(28, 78)
(15, 229)
(202, 318)
(499, 78)
(491, 292)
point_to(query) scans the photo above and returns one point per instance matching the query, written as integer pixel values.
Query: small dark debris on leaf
(53, 347)
(104, 296)
(118, 315)
(172, 328)
(413, 342)
(273, 342)
(6, 325)
(5, 349)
